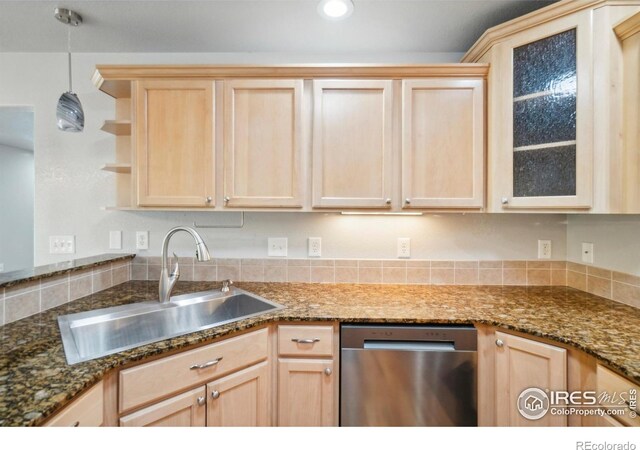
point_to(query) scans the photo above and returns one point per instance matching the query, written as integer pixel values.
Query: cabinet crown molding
(115, 80)
(552, 12)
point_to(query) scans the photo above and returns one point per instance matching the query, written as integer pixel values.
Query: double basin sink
(93, 334)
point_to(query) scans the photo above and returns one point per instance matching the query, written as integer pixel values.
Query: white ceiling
(16, 127)
(376, 26)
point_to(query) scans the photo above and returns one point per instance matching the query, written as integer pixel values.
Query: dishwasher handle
(422, 346)
(460, 337)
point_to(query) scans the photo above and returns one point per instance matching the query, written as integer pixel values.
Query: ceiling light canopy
(335, 9)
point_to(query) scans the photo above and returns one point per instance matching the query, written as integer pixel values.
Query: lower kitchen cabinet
(240, 399)
(520, 364)
(86, 411)
(306, 393)
(183, 410)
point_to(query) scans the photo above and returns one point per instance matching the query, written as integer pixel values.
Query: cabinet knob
(209, 199)
(499, 343)
(215, 394)
(226, 199)
(388, 201)
(407, 201)
(76, 423)
(505, 200)
(327, 371)
(201, 401)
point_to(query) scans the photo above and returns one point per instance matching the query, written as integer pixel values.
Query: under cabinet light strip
(359, 213)
(544, 146)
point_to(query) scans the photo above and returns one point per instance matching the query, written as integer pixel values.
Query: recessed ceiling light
(335, 9)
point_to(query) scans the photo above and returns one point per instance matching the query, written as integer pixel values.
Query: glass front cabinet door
(546, 135)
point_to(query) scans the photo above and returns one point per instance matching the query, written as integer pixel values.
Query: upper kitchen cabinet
(628, 32)
(174, 142)
(555, 109)
(352, 143)
(443, 143)
(263, 143)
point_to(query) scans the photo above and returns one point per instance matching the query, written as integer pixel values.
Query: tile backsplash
(29, 298)
(616, 286)
(26, 299)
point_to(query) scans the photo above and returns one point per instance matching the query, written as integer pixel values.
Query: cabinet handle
(499, 343)
(76, 423)
(327, 371)
(388, 201)
(226, 199)
(305, 341)
(407, 201)
(201, 401)
(505, 200)
(205, 365)
(209, 199)
(215, 394)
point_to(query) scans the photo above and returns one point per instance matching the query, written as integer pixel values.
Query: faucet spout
(168, 280)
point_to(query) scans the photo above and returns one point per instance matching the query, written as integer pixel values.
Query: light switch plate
(404, 248)
(142, 240)
(62, 244)
(544, 249)
(277, 247)
(115, 240)
(315, 247)
(587, 252)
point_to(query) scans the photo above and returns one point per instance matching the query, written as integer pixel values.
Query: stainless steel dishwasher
(408, 375)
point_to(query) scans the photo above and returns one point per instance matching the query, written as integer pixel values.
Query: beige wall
(616, 240)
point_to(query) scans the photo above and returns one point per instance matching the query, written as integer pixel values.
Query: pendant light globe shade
(69, 113)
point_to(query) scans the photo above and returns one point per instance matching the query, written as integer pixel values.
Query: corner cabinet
(352, 143)
(443, 143)
(174, 143)
(545, 152)
(555, 110)
(263, 143)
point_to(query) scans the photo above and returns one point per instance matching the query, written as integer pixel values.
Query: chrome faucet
(169, 280)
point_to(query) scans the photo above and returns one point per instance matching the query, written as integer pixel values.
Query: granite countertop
(9, 279)
(35, 380)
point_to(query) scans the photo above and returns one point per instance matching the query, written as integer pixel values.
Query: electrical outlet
(142, 240)
(315, 246)
(62, 244)
(587, 252)
(277, 247)
(404, 248)
(115, 240)
(544, 249)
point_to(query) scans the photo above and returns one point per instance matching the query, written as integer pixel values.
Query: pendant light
(69, 113)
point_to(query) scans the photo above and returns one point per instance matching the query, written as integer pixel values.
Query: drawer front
(305, 340)
(620, 392)
(145, 383)
(86, 411)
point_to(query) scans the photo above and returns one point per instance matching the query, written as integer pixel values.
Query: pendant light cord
(69, 56)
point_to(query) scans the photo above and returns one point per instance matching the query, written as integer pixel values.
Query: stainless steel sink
(102, 332)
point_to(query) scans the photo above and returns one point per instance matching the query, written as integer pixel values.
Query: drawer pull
(205, 365)
(305, 341)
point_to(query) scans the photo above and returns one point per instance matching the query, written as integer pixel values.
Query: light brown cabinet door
(263, 143)
(184, 410)
(352, 143)
(542, 128)
(443, 143)
(174, 143)
(240, 399)
(306, 393)
(522, 364)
